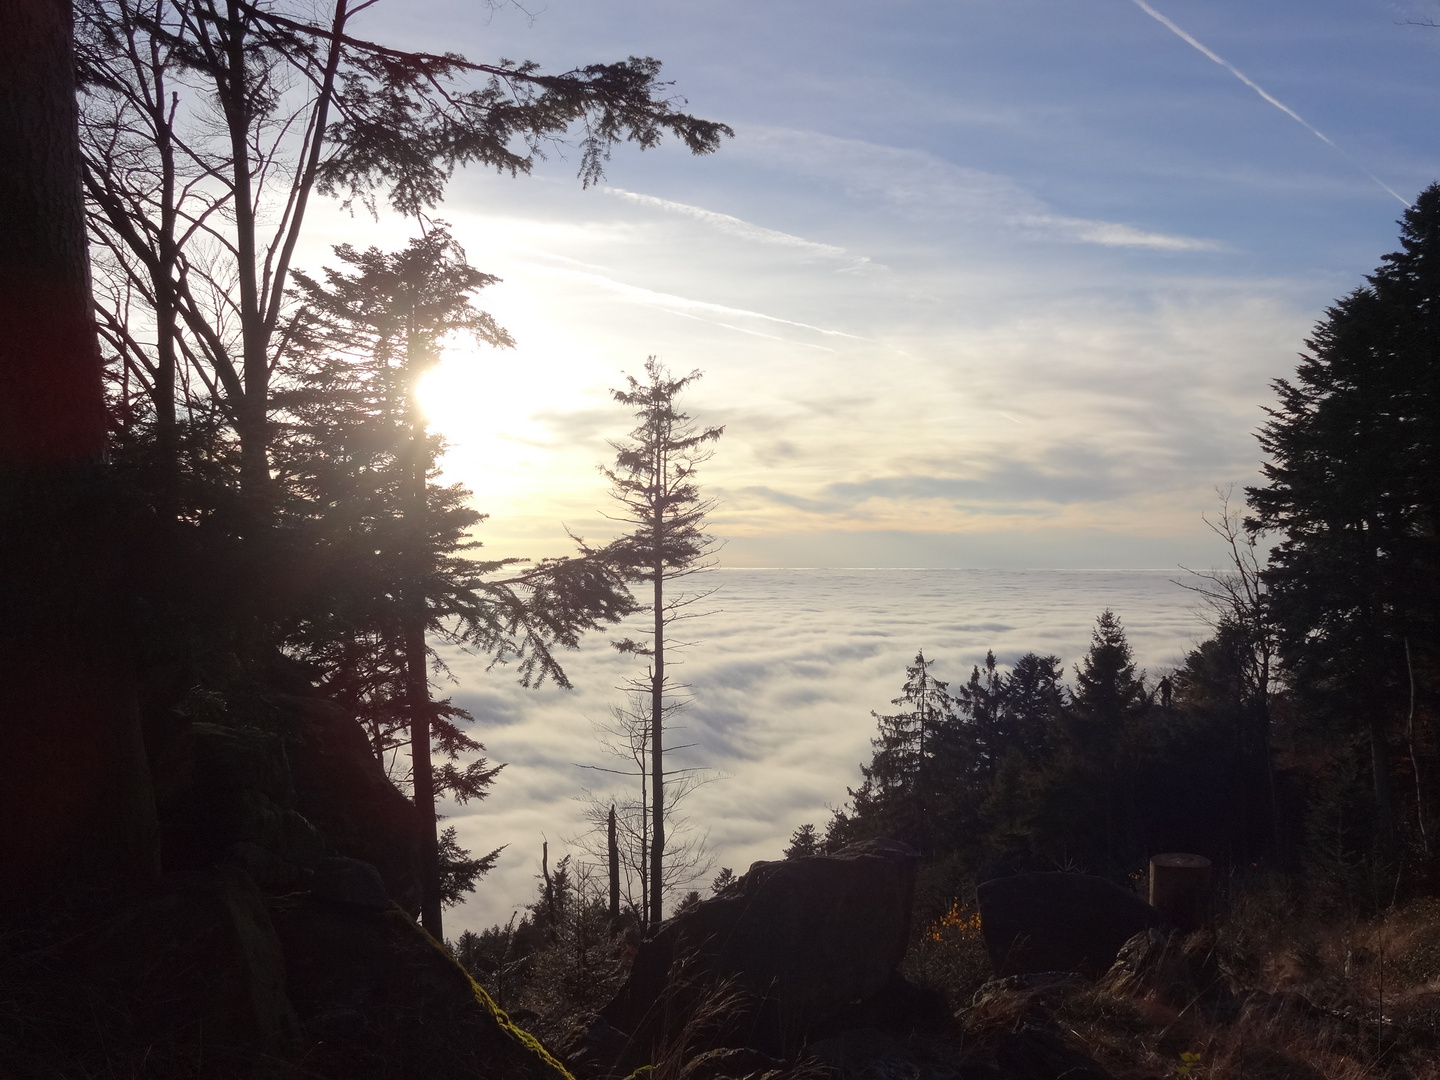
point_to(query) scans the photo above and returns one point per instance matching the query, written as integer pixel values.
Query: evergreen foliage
(900, 783)
(1022, 772)
(804, 841)
(561, 960)
(1353, 490)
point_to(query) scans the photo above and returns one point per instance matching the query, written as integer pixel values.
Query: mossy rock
(378, 998)
(182, 979)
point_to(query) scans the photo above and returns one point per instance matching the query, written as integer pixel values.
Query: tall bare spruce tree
(654, 482)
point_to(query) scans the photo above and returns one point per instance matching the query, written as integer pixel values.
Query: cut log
(1180, 889)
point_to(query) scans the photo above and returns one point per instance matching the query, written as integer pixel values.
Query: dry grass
(1274, 994)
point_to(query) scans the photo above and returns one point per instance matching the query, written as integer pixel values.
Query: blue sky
(976, 283)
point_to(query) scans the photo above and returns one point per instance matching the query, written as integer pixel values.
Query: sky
(977, 284)
(988, 283)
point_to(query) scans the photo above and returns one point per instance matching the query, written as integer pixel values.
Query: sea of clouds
(783, 675)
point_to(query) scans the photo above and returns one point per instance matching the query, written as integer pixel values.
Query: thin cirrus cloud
(915, 183)
(738, 227)
(684, 305)
(1009, 485)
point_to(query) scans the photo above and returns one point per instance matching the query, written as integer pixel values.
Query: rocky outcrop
(340, 786)
(278, 806)
(377, 997)
(273, 945)
(233, 802)
(796, 941)
(184, 978)
(1058, 922)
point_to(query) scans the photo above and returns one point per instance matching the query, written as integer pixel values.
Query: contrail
(1183, 36)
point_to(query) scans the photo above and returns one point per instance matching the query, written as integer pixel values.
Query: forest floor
(1268, 994)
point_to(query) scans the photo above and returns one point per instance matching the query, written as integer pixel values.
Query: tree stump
(1180, 889)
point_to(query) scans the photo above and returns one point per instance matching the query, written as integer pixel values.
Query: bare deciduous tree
(625, 737)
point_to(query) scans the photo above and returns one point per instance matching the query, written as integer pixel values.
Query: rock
(232, 802)
(349, 881)
(1006, 1005)
(342, 788)
(795, 942)
(1058, 922)
(900, 1007)
(378, 998)
(1033, 1053)
(596, 1049)
(184, 978)
(1152, 963)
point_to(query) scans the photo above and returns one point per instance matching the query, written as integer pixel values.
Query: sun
(491, 409)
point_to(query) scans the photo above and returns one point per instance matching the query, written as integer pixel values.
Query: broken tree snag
(613, 851)
(1180, 889)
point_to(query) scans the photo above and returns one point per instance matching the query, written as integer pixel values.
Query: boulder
(1058, 922)
(340, 786)
(798, 940)
(183, 978)
(1035, 1053)
(378, 998)
(349, 881)
(899, 1007)
(233, 802)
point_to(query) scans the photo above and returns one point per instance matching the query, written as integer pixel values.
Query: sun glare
(488, 406)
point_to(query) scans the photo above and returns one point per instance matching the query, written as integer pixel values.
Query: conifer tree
(804, 842)
(1353, 489)
(1034, 698)
(389, 542)
(899, 785)
(1104, 730)
(654, 482)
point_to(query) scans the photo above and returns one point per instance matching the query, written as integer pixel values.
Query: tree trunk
(418, 682)
(657, 759)
(427, 840)
(75, 800)
(613, 851)
(252, 418)
(1180, 890)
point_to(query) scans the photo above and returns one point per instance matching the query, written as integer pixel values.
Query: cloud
(1064, 474)
(738, 227)
(918, 184)
(790, 666)
(1264, 94)
(684, 305)
(1110, 234)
